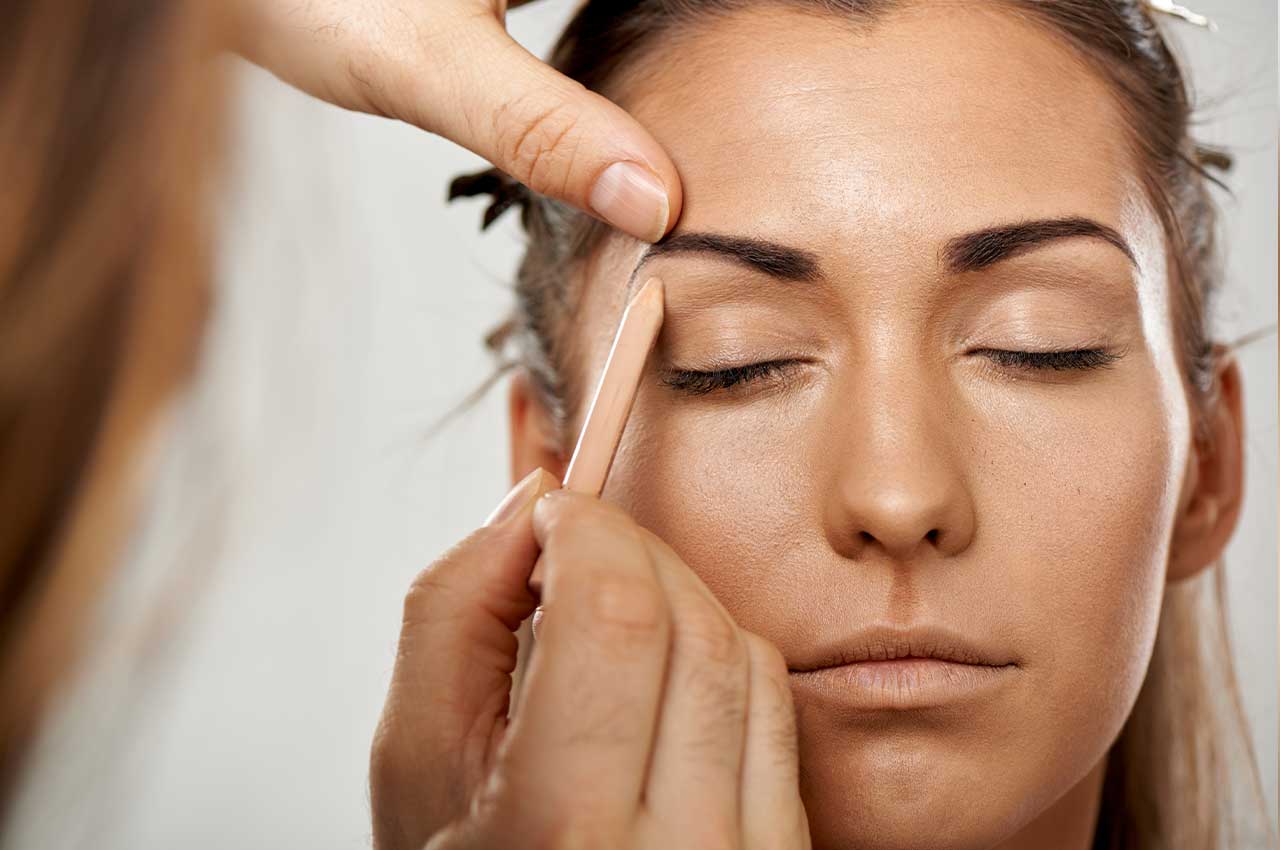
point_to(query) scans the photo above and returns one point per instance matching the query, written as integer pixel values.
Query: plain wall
(298, 494)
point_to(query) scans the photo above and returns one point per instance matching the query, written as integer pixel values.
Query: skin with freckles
(843, 427)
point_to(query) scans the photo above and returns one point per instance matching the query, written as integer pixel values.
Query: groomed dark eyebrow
(981, 249)
(778, 261)
(967, 253)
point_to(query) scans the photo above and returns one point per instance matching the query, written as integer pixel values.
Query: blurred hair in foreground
(109, 115)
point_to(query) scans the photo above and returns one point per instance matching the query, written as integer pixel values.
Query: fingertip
(520, 496)
(654, 157)
(675, 197)
(548, 509)
(560, 503)
(632, 198)
(546, 483)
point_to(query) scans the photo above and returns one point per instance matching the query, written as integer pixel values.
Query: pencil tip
(651, 291)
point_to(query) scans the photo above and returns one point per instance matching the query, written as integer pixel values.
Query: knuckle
(366, 87)
(499, 805)
(626, 610)
(710, 635)
(537, 142)
(373, 66)
(436, 583)
(428, 590)
(429, 579)
(513, 808)
(426, 587)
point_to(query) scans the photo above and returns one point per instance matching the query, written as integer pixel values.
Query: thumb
(451, 68)
(552, 134)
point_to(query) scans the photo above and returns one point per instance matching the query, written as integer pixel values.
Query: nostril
(932, 536)
(866, 536)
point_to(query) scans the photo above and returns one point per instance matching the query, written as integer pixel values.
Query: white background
(300, 493)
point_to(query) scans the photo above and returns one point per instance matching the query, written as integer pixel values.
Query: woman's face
(939, 188)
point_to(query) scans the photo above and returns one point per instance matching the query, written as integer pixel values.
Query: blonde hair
(1183, 772)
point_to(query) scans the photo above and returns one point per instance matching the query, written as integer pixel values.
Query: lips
(888, 642)
(899, 668)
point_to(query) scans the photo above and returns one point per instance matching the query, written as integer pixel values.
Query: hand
(647, 718)
(449, 67)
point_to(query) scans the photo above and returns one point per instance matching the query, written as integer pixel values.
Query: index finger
(448, 698)
(590, 700)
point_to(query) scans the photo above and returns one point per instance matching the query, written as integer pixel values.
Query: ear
(1214, 488)
(535, 439)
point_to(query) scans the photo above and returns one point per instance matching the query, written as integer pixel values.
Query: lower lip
(902, 683)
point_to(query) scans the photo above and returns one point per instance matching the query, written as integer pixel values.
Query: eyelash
(1078, 359)
(697, 382)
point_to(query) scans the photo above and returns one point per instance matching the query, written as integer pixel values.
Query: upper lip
(885, 642)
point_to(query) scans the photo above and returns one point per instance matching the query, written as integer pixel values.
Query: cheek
(1076, 506)
(726, 489)
(1081, 494)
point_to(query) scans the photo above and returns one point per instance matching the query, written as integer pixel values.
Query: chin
(899, 785)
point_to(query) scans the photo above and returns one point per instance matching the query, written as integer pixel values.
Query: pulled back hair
(1175, 772)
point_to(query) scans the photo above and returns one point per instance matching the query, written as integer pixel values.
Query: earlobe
(1215, 483)
(535, 440)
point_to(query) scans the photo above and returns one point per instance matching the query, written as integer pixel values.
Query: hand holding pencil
(647, 719)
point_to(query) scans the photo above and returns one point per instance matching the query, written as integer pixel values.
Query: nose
(899, 485)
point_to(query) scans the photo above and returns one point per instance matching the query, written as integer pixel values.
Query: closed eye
(703, 382)
(1078, 359)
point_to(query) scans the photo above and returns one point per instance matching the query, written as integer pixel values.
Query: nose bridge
(898, 483)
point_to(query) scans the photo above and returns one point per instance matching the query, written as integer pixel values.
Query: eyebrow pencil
(611, 404)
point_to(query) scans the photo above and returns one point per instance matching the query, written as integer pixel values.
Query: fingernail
(631, 198)
(522, 494)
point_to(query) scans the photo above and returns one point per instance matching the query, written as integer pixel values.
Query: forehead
(846, 138)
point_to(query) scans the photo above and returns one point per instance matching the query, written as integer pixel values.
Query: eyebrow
(984, 248)
(966, 253)
(776, 260)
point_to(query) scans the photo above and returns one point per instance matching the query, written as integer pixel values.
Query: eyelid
(1062, 359)
(730, 377)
